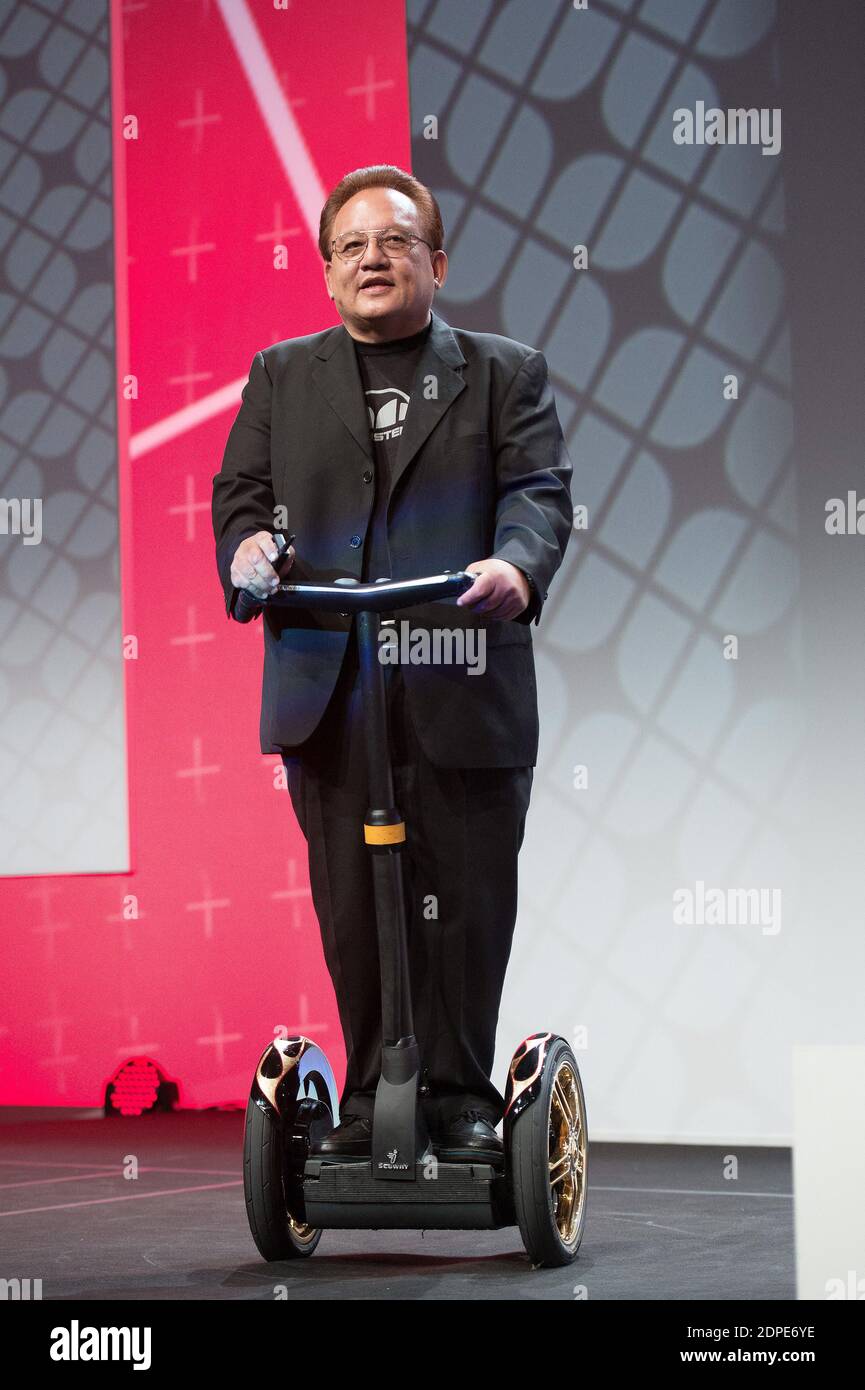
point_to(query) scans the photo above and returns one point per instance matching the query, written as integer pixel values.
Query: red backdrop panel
(231, 122)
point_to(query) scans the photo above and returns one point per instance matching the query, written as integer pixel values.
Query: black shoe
(469, 1135)
(352, 1138)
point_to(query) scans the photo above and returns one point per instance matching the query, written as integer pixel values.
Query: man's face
(378, 297)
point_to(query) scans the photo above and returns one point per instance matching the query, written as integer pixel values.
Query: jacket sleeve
(243, 502)
(534, 512)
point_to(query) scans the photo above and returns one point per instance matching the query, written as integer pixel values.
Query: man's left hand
(500, 591)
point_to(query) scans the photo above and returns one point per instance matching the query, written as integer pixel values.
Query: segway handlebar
(350, 596)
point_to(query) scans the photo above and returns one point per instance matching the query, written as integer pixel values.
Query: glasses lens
(352, 245)
(395, 244)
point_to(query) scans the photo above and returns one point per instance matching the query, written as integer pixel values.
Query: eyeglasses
(351, 246)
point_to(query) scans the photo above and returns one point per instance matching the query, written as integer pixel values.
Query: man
(396, 446)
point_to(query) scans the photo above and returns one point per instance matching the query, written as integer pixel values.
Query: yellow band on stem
(384, 834)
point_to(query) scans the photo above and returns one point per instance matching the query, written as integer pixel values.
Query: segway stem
(399, 1132)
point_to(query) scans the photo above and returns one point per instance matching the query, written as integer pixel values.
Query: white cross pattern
(206, 904)
(370, 87)
(191, 638)
(305, 1026)
(198, 769)
(190, 506)
(136, 1047)
(188, 378)
(277, 233)
(129, 8)
(198, 120)
(48, 928)
(294, 893)
(125, 922)
(218, 1038)
(57, 1059)
(193, 251)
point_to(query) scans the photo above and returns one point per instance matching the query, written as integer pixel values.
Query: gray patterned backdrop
(63, 802)
(555, 129)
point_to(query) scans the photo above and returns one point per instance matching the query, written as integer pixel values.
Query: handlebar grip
(245, 606)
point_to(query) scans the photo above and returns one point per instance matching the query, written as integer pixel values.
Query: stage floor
(661, 1224)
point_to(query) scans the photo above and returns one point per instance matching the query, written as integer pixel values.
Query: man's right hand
(251, 568)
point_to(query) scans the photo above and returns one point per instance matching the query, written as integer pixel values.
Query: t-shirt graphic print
(387, 372)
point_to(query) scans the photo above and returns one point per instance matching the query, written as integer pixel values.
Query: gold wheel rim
(301, 1232)
(567, 1154)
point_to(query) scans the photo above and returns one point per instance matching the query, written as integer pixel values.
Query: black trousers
(464, 829)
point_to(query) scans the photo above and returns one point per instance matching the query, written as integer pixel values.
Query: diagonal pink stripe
(302, 175)
(226, 398)
(291, 149)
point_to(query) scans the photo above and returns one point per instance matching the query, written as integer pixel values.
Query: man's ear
(326, 265)
(440, 267)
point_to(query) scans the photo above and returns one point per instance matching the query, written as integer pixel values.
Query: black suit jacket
(482, 470)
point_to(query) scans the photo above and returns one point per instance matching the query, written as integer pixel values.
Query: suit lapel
(436, 386)
(336, 374)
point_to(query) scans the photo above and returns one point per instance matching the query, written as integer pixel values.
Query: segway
(292, 1196)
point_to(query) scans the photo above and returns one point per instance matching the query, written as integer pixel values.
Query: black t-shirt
(387, 372)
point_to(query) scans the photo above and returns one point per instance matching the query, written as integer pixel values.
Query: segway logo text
(392, 1164)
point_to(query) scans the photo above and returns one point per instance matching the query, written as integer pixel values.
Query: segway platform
(469, 1196)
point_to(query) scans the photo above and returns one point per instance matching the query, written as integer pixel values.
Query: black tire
(551, 1214)
(276, 1233)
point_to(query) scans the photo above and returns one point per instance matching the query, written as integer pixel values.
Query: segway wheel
(276, 1233)
(548, 1162)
